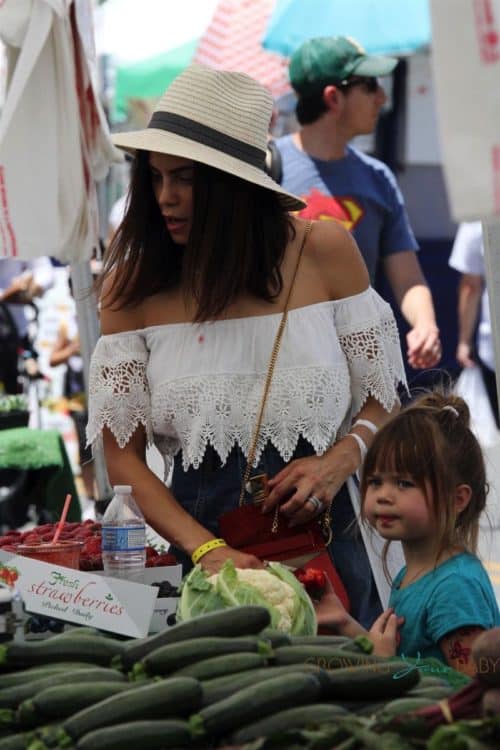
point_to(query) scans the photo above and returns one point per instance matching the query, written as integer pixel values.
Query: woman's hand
(318, 476)
(214, 560)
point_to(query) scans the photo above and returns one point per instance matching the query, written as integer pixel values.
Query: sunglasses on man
(369, 83)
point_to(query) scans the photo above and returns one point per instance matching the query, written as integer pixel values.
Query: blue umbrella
(381, 26)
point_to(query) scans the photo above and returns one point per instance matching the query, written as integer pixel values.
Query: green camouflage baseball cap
(328, 60)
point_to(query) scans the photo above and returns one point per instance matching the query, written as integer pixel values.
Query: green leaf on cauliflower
(198, 596)
(274, 587)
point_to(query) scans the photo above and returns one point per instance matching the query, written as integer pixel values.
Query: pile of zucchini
(223, 678)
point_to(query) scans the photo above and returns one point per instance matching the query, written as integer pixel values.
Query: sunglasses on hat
(369, 83)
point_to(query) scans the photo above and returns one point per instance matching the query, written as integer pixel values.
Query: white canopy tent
(466, 69)
(54, 147)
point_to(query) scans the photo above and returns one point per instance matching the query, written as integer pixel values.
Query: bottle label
(123, 538)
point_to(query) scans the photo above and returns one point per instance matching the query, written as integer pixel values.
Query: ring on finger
(316, 502)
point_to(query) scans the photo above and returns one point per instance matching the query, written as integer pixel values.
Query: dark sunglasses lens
(371, 85)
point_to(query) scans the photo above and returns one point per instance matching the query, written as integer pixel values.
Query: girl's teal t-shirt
(458, 593)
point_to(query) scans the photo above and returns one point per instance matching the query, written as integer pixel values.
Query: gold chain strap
(267, 386)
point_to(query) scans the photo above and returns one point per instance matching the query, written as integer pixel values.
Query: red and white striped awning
(233, 41)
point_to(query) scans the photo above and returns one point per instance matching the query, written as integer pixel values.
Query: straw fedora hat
(216, 117)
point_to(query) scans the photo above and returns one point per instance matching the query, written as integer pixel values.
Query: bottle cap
(122, 489)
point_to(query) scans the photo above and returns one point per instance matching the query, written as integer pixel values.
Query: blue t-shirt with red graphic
(359, 191)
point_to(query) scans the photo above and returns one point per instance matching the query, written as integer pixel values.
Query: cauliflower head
(274, 587)
(275, 591)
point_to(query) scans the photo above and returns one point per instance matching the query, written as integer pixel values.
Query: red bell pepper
(313, 580)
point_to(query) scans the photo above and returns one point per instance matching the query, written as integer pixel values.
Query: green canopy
(149, 78)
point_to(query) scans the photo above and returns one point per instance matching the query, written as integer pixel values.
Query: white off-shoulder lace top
(194, 384)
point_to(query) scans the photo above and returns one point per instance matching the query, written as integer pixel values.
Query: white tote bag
(470, 386)
(49, 156)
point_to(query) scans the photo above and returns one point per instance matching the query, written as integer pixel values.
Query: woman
(193, 288)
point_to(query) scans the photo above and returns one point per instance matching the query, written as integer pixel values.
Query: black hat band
(196, 131)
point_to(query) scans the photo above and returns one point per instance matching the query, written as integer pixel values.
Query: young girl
(424, 483)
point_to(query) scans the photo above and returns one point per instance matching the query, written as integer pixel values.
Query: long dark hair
(239, 235)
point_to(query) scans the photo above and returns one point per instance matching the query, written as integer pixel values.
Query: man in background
(340, 97)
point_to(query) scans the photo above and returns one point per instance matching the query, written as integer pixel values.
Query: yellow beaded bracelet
(207, 547)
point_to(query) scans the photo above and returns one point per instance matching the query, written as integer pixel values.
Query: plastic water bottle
(124, 537)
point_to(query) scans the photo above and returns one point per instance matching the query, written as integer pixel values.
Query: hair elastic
(366, 423)
(450, 408)
(363, 449)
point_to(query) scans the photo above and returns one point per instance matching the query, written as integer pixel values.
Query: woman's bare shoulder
(338, 259)
(115, 316)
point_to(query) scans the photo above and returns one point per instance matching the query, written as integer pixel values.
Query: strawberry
(166, 558)
(31, 537)
(92, 546)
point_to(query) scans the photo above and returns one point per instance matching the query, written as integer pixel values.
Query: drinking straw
(61, 521)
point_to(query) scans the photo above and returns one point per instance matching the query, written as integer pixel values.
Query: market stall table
(35, 465)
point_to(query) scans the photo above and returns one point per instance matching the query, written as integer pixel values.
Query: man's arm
(414, 299)
(470, 290)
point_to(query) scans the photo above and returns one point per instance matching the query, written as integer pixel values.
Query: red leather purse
(249, 530)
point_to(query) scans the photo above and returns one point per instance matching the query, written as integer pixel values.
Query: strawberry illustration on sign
(8, 575)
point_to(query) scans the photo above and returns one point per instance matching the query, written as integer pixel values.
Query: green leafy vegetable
(274, 587)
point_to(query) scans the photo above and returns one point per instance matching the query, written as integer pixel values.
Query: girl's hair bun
(449, 406)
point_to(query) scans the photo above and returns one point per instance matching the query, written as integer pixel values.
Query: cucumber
(324, 657)
(291, 718)
(428, 680)
(9, 679)
(150, 735)
(364, 708)
(13, 696)
(218, 666)
(229, 623)
(276, 637)
(319, 640)
(170, 658)
(253, 702)
(8, 721)
(86, 648)
(435, 692)
(221, 687)
(19, 741)
(81, 630)
(360, 643)
(174, 697)
(403, 706)
(375, 682)
(61, 701)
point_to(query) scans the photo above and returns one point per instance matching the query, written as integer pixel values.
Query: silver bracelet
(361, 444)
(366, 423)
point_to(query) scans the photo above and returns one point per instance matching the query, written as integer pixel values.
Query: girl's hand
(384, 633)
(319, 476)
(214, 560)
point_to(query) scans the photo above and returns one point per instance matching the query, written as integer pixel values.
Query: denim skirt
(213, 489)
